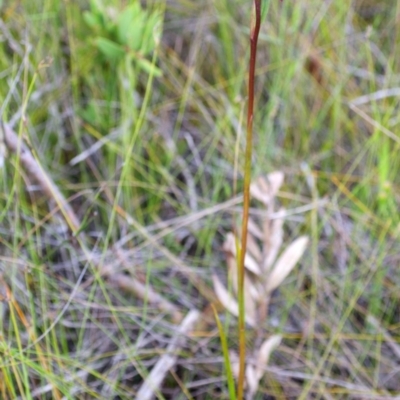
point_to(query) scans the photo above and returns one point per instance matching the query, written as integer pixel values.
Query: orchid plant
(266, 267)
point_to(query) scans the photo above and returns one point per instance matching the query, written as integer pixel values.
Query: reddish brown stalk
(246, 194)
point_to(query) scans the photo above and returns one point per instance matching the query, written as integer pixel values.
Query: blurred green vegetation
(136, 112)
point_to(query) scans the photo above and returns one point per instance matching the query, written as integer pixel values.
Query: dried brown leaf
(232, 271)
(255, 373)
(249, 262)
(253, 248)
(275, 181)
(252, 265)
(257, 190)
(251, 298)
(254, 229)
(251, 380)
(272, 241)
(265, 189)
(286, 263)
(228, 301)
(252, 288)
(230, 243)
(264, 353)
(225, 297)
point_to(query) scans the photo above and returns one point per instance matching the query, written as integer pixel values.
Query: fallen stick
(167, 361)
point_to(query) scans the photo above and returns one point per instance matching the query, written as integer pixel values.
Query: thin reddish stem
(246, 194)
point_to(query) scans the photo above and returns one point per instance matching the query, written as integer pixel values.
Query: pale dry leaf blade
(257, 191)
(273, 242)
(251, 296)
(263, 185)
(264, 354)
(255, 373)
(252, 288)
(225, 297)
(252, 265)
(275, 181)
(286, 262)
(251, 380)
(265, 189)
(254, 229)
(232, 271)
(227, 300)
(249, 262)
(230, 243)
(253, 248)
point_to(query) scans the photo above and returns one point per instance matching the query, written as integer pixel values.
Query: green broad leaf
(91, 20)
(126, 17)
(148, 67)
(97, 10)
(96, 7)
(111, 29)
(110, 49)
(98, 16)
(130, 24)
(134, 34)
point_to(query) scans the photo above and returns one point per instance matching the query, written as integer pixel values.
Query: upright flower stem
(246, 194)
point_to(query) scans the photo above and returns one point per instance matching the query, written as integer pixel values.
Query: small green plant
(126, 39)
(128, 34)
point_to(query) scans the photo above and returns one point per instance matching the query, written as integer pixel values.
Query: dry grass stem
(15, 145)
(144, 292)
(36, 172)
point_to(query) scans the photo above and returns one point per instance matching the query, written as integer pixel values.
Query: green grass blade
(225, 350)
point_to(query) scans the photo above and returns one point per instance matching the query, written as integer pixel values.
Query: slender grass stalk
(246, 193)
(225, 350)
